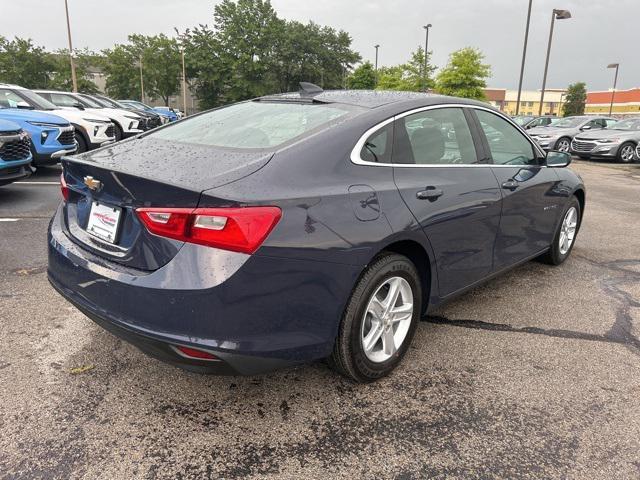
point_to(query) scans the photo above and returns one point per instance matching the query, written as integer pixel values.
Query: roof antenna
(309, 89)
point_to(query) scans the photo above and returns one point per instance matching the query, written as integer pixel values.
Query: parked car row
(586, 136)
(53, 123)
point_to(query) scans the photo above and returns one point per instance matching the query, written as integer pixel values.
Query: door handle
(510, 185)
(429, 193)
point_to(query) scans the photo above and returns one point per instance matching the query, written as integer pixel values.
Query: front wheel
(626, 153)
(565, 236)
(379, 320)
(564, 145)
(82, 144)
(118, 132)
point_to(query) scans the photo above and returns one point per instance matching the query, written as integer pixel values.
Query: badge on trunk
(92, 183)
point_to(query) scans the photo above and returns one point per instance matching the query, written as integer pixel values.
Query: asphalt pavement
(533, 375)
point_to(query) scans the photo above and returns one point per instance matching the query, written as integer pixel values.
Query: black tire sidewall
(82, 144)
(397, 266)
(119, 135)
(557, 257)
(619, 155)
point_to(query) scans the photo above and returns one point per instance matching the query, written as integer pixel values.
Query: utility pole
(74, 79)
(184, 83)
(615, 83)
(376, 47)
(141, 82)
(426, 55)
(524, 55)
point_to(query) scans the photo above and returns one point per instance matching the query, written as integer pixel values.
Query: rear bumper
(262, 314)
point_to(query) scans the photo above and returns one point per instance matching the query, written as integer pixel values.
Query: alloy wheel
(626, 154)
(563, 145)
(387, 319)
(568, 230)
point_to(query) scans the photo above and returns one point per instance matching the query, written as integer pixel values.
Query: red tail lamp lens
(64, 188)
(195, 353)
(236, 229)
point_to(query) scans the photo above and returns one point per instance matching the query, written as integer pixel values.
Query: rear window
(252, 124)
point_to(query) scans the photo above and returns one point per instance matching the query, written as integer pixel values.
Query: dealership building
(625, 102)
(506, 101)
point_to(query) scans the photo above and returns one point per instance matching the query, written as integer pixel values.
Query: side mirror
(558, 159)
(24, 106)
(79, 106)
(586, 127)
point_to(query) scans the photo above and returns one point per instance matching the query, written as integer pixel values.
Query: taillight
(236, 229)
(64, 188)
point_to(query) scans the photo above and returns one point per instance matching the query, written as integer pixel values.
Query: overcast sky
(600, 32)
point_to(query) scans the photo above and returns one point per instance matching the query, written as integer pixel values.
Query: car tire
(584, 157)
(569, 225)
(82, 144)
(563, 145)
(389, 334)
(118, 132)
(626, 153)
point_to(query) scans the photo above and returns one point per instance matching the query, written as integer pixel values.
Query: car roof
(10, 85)
(371, 98)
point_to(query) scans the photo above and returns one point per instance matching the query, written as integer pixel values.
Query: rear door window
(259, 125)
(439, 136)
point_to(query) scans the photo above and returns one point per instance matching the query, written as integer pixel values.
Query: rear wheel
(565, 236)
(380, 319)
(564, 144)
(626, 152)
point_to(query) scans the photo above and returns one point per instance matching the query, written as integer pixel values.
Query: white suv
(126, 123)
(91, 129)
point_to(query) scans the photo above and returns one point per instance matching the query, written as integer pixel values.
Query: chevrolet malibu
(304, 226)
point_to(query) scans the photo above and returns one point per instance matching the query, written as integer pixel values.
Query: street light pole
(141, 82)
(524, 55)
(559, 15)
(426, 55)
(376, 47)
(615, 82)
(184, 83)
(74, 79)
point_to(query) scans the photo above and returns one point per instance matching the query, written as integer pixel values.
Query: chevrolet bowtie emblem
(92, 183)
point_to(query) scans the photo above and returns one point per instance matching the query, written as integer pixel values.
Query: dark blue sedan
(304, 226)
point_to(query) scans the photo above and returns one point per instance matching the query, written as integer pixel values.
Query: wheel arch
(419, 256)
(82, 133)
(579, 193)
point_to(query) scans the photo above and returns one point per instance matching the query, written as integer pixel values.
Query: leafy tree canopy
(465, 75)
(576, 98)
(410, 76)
(363, 77)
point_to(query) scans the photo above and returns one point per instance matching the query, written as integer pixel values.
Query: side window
(610, 122)
(377, 148)
(507, 145)
(595, 124)
(63, 100)
(439, 136)
(8, 99)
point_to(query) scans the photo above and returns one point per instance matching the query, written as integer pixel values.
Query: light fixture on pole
(524, 55)
(555, 15)
(426, 55)
(376, 47)
(615, 82)
(74, 79)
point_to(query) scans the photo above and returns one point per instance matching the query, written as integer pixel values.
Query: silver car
(560, 133)
(619, 141)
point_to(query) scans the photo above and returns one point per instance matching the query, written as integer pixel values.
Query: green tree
(363, 77)
(410, 76)
(84, 60)
(161, 67)
(576, 98)
(465, 75)
(23, 63)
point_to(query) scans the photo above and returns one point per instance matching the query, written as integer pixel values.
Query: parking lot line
(9, 219)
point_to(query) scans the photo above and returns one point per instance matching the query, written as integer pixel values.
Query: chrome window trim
(357, 160)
